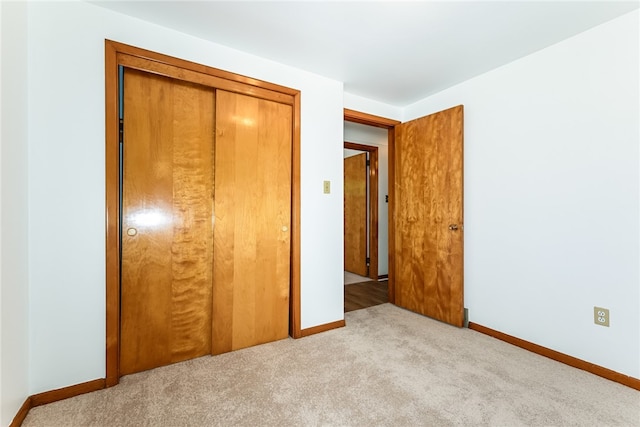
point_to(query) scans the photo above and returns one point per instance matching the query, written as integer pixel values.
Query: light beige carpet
(387, 367)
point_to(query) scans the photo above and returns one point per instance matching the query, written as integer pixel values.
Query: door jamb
(389, 124)
(122, 54)
(372, 189)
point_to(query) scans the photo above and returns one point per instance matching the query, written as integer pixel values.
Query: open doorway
(436, 140)
(360, 212)
(366, 215)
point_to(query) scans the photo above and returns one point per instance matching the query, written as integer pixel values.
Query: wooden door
(355, 214)
(167, 236)
(252, 221)
(427, 216)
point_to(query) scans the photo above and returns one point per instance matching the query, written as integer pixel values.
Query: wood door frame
(121, 54)
(389, 124)
(372, 191)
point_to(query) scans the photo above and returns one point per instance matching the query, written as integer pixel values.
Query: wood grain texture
(112, 204)
(252, 240)
(178, 73)
(373, 204)
(560, 357)
(428, 192)
(355, 214)
(167, 203)
(113, 51)
(192, 244)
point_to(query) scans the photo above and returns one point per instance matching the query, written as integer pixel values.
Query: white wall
(369, 135)
(551, 194)
(358, 103)
(66, 180)
(13, 221)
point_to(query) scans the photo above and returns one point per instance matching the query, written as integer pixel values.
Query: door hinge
(121, 131)
(368, 162)
(368, 260)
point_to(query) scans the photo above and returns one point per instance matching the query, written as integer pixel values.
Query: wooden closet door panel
(252, 221)
(167, 236)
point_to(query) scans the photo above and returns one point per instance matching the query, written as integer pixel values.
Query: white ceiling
(390, 51)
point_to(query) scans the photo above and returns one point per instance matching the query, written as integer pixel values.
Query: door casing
(129, 56)
(388, 124)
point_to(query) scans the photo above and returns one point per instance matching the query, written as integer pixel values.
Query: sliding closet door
(252, 221)
(167, 208)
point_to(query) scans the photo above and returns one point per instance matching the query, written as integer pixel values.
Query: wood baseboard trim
(55, 395)
(67, 392)
(22, 413)
(560, 357)
(322, 328)
(383, 277)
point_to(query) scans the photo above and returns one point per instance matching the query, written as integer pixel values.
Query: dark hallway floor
(366, 294)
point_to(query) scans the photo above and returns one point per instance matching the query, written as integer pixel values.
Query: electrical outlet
(327, 187)
(601, 316)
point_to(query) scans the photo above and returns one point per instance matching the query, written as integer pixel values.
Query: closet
(205, 204)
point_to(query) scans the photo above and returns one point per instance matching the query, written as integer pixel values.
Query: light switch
(327, 187)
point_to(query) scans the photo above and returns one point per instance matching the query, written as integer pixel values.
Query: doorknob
(132, 231)
(453, 227)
